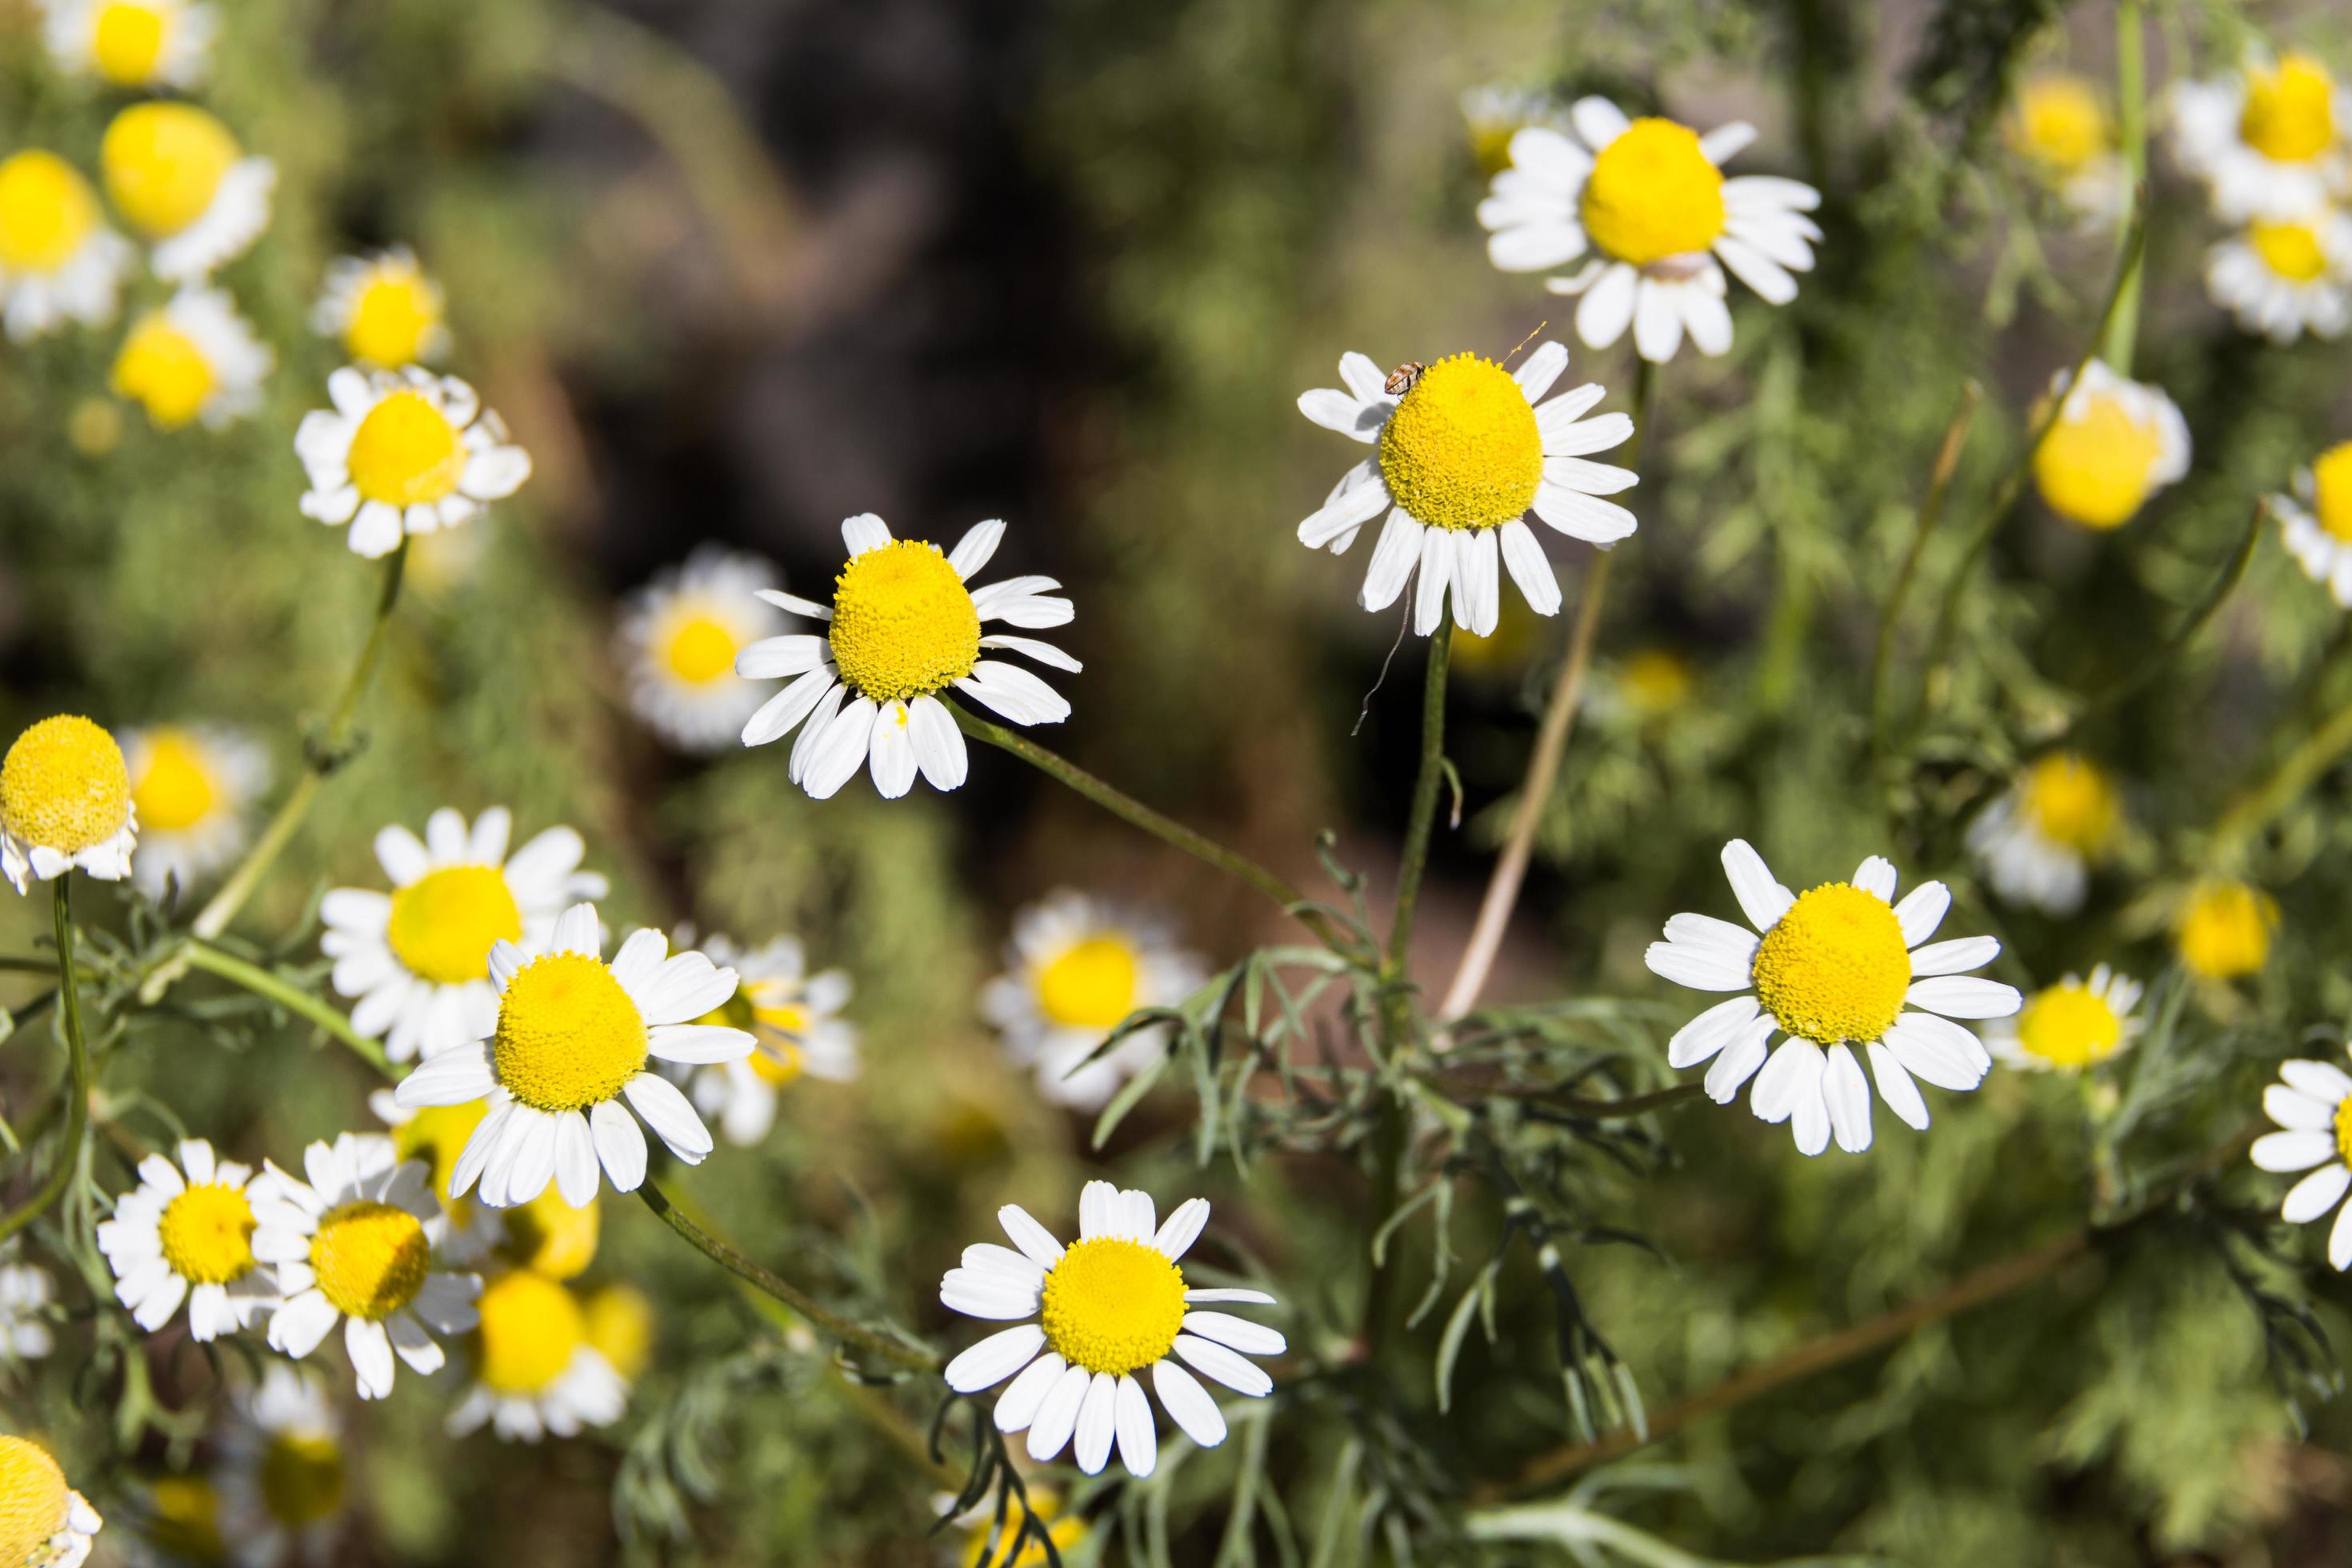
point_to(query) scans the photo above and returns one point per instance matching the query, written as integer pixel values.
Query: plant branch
(1422, 817)
(2298, 771)
(2131, 104)
(1931, 511)
(77, 1070)
(275, 989)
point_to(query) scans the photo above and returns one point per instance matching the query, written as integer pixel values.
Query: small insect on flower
(2286, 278)
(65, 802)
(1402, 379)
(177, 176)
(2311, 1104)
(186, 1234)
(792, 1017)
(1075, 968)
(2115, 442)
(2268, 140)
(404, 453)
(1108, 1306)
(284, 1474)
(2316, 521)
(2040, 840)
(2069, 1026)
(679, 637)
(44, 1522)
(535, 1371)
(133, 43)
(58, 260)
(382, 309)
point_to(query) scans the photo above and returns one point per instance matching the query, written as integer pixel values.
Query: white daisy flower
(575, 1037)
(403, 452)
(284, 1474)
(2061, 127)
(2115, 442)
(1109, 1305)
(58, 260)
(177, 1239)
(535, 1371)
(133, 43)
(354, 1244)
(1464, 450)
(2269, 139)
(383, 309)
(902, 628)
(1494, 114)
(679, 637)
(1075, 968)
(65, 802)
(2038, 842)
(44, 1523)
(193, 787)
(25, 1295)
(2308, 1103)
(2316, 521)
(546, 1235)
(2073, 1024)
(2287, 278)
(792, 1017)
(194, 358)
(1647, 196)
(177, 176)
(1833, 969)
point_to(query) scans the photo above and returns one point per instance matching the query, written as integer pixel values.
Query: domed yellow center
(1461, 450)
(405, 452)
(302, 1477)
(2070, 802)
(445, 923)
(371, 1258)
(2070, 1025)
(1112, 1305)
(903, 622)
(33, 1500)
(549, 1237)
(47, 211)
(2290, 112)
(64, 786)
(1834, 967)
(1653, 194)
(2094, 466)
(698, 649)
(207, 1234)
(2331, 489)
(530, 1329)
(2225, 930)
(568, 1036)
(392, 314)
(164, 370)
(1091, 986)
(620, 1328)
(2061, 123)
(164, 164)
(2291, 250)
(174, 791)
(127, 42)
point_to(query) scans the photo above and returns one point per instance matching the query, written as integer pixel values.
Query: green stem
(2298, 771)
(78, 1059)
(1931, 511)
(274, 988)
(1423, 817)
(2131, 103)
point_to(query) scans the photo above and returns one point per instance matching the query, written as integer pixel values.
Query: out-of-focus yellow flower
(133, 43)
(2224, 930)
(59, 261)
(178, 176)
(2115, 443)
(193, 359)
(622, 1328)
(382, 309)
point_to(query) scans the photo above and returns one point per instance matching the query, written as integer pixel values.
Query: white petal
(1215, 1360)
(840, 751)
(1239, 1333)
(1708, 1034)
(2322, 1080)
(1726, 141)
(787, 708)
(1954, 957)
(1189, 1405)
(1034, 1239)
(1875, 875)
(2340, 1240)
(995, 1358)
(1393, 558)
(1598, 122)
(1739, 1062)
(1017, 1405)
(457, 1077)
(1896, 1088)
(1335, 410)
(1847, 1093)
(938, 745)
(1540, 369)
(1139, 1438)
(892, 757)
(1098, 1424)
(1098, 1210)
(577, 930)
(1792, 1075)
(1607, 307)
(1921, 911)
(1183, 1228)
(1529, 568)
(2295, 1111)
(973, 551)
(1657, 320)
(370, 1354)
(666, 1111)
(2315, 1194)
(1057, 1416)
(1700, 968)
(1965, 996)
(864, 532)
(1437, 580)
(1761, 899)
(575, 1160)
(620, 1144)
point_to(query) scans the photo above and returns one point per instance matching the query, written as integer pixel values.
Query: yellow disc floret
(2071, 802)
(530, 1329)
(405, 452)
(1461, 450)
(2290, 111)
(2331, 479)
(2225, 930)
(394, 315)
(207, 1234)
(2344, 1127)
(2291, 250)
(620, 1327)
(1834, 967)
(164, 164)
(549, 1237)
(371, 1258)
(698, 649)
(567, 1035)
(2070, 1025)
(64, 786)
(1091, 986)
(176, 790)
(47, 212)
(2061, 123)
(127, 43)
(903, 622)
(1113, 1305)
(34, 1500)
(302, 1477)
(1653, 193)
(445, 923)
(164, 371)
(2096, 464)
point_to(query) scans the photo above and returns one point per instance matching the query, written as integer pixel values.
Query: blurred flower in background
(2285, 279)
(383, 309)
(2040, 841)
(681, 635)
(285, 1474)
(2115, 442)
(193, 787)
(534, 1370)
(1078, 967)
(403, 454)
(178, 176)
(2223, 930)
(195, 358)
(1493, 113)
(2316, 520)
(2269, 139)
(26, 1295)
(2069, 1026)
(794, 1019)
(2061, 125)
(133, 43)
(58, 260)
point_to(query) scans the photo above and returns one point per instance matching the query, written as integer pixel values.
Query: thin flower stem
(2131, 106)
(78, 1071)
(1931, 511)
(292, 998)
(2298, 771)
(1422, 817)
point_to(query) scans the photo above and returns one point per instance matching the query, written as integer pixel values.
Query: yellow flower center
(128, 41)
(2095, 467)
(568, 1036)
(550, 1236)
(162, 368)
(620, 1328)
(698, 649)
(302, 1477)
(1091, 986)
(2292, 251)
(445, 923)
(437, 1135)
(64, 786)
(2344, 1127)
(2290, 112)
(776, 1030)
(395, 310)
(531, 1327)
(186, 1520)
(33, 1502)
(174, 791)
(1461, 450)
(1112, 1305)
(371, 1258)
(2331, 489)
(2069, 801)
(405, 452)
(47, 211)
(1834, 967)
(207, 1235)
(2061, 123)
(163, 162)
(2070, 1025)
(903, 622)
(1653, 193)
(2225, 931)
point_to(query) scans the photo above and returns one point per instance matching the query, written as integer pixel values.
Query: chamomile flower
(547, 1234)
(354, 1245)
(1835, 968)
(186, 1234)
(679, 637)
(575, 1037)
(2223, 929)
(622, 1328)
(2060, 128)
(1494, 114)
(2287, 277)
(383, 309)
(133, 43)
(534, 1370)
(2069, 1026)
(178, 177)
(2316, 521)
(25, 1295)
(794, 1019)
(989, 1543)
(1075, 969)
(2269, 139)
(284, 1472)
(2311, 1104)
(44, 1523)
(1647, 196)
(1461, 452)
(1108, 1306)
(2039, 841)
(59, 260)
(402, 453)
(902, 628)
(194, 358)
(2115, 442)
(193, 787)
(65, 802)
